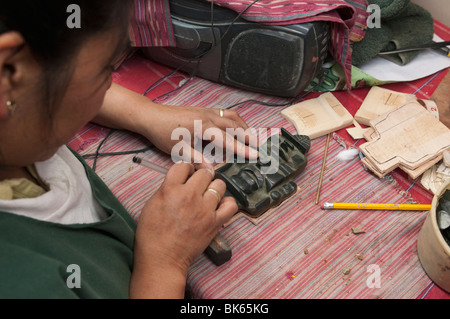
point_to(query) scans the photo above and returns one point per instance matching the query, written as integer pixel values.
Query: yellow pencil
(420, 207)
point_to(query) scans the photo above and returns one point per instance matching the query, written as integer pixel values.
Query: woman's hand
(224, 129)
(176, 225)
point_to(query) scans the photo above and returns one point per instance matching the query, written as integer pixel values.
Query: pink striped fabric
(151, 24)
(297, 250)
(300, 251)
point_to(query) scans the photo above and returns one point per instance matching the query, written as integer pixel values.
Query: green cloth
(390, 8)
(35, 255)
(403, 24)
(334, 80)
(19, 188)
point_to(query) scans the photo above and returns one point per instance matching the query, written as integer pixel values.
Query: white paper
(426, 63)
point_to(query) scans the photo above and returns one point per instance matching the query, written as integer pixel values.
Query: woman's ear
(10, 43)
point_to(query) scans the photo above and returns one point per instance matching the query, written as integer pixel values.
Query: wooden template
(370, 135)
(380, 101)
(318, 117)
(357, 132)
(408, 137)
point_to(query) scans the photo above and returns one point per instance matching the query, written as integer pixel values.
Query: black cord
(292, 101)
(237, 17)
(97, 153)
(142, 150)
(98, 148)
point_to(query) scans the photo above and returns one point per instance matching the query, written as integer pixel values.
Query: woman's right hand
(176, 225)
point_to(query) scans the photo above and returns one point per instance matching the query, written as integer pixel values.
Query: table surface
(296, 250)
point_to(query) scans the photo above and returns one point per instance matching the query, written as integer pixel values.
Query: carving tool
(323, 168)
(440, 47)
(145, 162)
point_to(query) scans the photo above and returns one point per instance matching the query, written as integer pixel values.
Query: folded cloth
(151, 24)
(403, 24)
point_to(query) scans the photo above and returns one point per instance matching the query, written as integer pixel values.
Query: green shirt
(41, 259)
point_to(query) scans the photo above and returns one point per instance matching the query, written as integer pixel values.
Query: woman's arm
(126, 109)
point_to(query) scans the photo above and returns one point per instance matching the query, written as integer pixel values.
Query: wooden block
(380, 101)
(409, 137)
(319, 116)
(370, 135)
(357, 132)
(414, 173)
(370, 166)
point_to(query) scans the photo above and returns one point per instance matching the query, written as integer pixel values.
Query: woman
(62, 232)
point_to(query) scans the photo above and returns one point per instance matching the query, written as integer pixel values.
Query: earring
(11, 105)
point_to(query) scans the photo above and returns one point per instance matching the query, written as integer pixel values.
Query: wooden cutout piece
(431, 107)
(319, 116)
(410, 132)
(409, 137)
(371, 134)
(357, 132)
(380, 101)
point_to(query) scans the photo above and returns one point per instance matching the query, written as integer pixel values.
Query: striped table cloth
(296, 250)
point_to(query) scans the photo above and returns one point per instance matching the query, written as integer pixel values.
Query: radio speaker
(275, 60)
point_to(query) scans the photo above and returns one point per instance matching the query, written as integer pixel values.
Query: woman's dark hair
(53, 43)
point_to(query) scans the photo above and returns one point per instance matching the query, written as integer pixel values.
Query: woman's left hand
(180, 130)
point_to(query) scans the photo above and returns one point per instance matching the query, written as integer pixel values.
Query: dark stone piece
(256, 192)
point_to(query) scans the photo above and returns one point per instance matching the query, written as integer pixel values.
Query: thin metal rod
(432, 45)
(145, 162)
(323, 168)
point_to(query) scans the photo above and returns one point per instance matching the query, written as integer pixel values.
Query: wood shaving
(357, 231)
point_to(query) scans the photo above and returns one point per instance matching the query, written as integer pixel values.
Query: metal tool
(440, 47)
(319, 187)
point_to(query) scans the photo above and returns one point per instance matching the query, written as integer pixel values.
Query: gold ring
(221, 112)
(215, 192)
